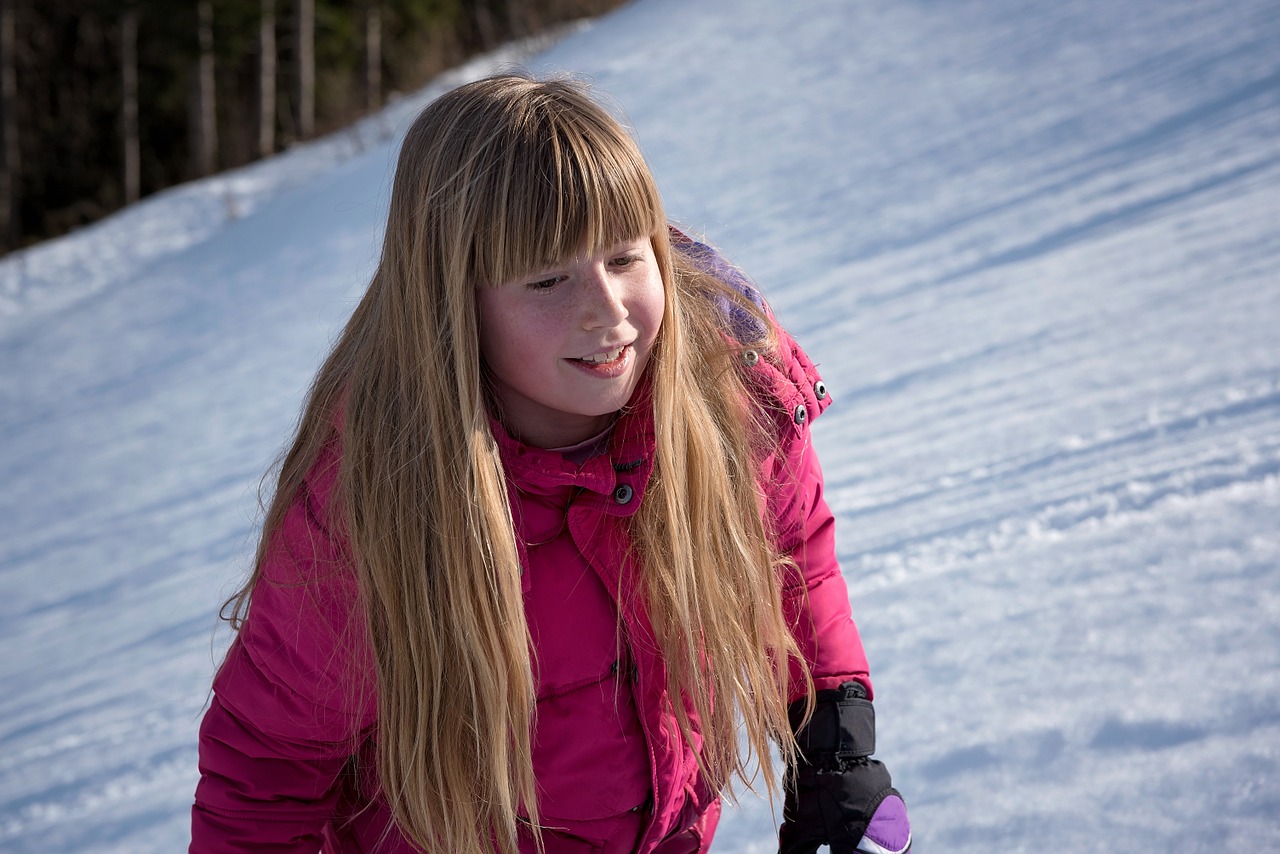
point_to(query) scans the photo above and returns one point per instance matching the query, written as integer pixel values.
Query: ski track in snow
(1034, 248)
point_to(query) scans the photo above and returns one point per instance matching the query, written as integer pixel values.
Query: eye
(545, 284)
(625, 261)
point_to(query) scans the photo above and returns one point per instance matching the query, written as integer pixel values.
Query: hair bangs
(586, 191)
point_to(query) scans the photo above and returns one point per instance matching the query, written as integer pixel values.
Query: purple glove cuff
(889, 831)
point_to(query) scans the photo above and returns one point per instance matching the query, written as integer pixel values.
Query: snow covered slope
(1034, 246)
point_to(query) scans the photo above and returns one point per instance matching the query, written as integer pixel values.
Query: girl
(550, 536)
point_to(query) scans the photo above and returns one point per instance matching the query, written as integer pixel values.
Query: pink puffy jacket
(279, 772)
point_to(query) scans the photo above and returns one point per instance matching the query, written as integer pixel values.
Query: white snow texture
(1035, 248)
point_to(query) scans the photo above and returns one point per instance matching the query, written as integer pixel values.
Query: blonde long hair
(496, 179)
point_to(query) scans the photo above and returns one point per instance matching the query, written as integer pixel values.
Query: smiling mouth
(603, 358)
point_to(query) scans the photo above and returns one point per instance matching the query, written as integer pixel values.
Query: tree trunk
(485, 26)
(10, 172)
(306, 59)
(519, 19)
(129, 103)
(206, 118)
(372, 55)
(267, 80)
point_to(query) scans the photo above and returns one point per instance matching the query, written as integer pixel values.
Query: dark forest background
(103, 102)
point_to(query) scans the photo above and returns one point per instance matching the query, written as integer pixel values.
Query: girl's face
(566, 346)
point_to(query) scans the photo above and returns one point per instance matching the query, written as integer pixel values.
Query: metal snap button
(623, 493)
(751, 357)
(801, 414)
(820, 390)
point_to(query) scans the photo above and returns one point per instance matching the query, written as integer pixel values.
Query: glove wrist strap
(842, 729)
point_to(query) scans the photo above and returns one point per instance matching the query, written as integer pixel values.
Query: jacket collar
(628, 459)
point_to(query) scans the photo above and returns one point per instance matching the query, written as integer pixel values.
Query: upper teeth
(604, 357)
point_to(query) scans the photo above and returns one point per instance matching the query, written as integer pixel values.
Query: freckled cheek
(501, 343)
(653, 308)
(523, 338)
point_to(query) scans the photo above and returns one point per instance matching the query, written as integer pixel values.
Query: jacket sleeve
(815, 597)
(259, 792)
(289, 706)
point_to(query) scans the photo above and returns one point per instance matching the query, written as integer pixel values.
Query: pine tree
(204, 105)
(305, 59)
(267, 79)
(10, 173)
(132, 177)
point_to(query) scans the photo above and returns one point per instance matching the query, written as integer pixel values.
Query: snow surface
(1035, 248)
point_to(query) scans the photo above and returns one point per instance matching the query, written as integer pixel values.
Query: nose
(604, 304)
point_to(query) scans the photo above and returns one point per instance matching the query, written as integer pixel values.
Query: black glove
(838, 795)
